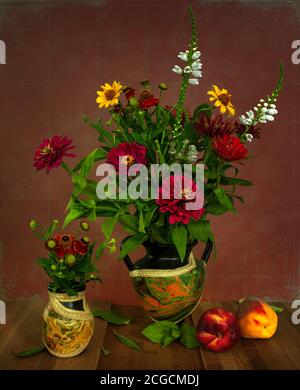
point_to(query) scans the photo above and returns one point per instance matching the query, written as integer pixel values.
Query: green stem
(67, 168)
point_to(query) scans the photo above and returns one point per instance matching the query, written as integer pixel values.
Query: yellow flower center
(225, 98)
(47, 149)
(187, 193)
(127, 160)
(110, 94)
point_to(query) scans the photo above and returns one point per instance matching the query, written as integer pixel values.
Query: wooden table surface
(22, 331)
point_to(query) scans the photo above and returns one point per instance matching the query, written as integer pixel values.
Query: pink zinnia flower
(130, 153)
(185, 189)
(51, 152)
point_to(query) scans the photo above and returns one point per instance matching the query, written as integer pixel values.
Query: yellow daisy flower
(108, 94)
(222, 99)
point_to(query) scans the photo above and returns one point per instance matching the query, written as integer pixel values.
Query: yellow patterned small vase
(68, 324)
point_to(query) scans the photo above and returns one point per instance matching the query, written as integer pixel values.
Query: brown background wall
(57, 56)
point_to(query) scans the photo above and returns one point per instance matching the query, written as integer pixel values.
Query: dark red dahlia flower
(229, 148)
(253, 130)
(215, 126)
(130, 153)
(51, 152)
(182, 191)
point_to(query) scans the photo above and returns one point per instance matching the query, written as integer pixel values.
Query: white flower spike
(183, 56)
(193, 81)
(177, 69)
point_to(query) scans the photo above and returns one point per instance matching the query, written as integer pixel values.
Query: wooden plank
(23, 330)
(153, 357)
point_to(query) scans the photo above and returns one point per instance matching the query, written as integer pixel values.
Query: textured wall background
(58, 53)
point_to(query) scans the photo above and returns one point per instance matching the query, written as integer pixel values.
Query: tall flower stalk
(193, 67)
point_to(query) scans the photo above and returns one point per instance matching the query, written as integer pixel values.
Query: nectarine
(218, 330)
(257, 320)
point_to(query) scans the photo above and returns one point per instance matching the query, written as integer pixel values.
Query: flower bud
(85, 240)
(145, 83)
(70, 259)
(53, 267)
(133, 102)
(51, 244)
(163, 86)
(84, 226)
(33, 224)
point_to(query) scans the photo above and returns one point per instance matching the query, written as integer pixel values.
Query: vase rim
(62, 291)
(150, 243)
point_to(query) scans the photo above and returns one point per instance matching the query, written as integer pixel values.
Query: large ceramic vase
(168, 288)
(68, 324)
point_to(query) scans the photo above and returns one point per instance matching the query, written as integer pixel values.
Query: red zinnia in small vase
(51, 152)
(180, 187)
(130, 153)
(229, 148)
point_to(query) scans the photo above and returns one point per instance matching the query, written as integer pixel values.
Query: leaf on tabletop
(188, 336)
(127, 341)
(30, 352)
(105, 351)
(162, 332)
(112, 317)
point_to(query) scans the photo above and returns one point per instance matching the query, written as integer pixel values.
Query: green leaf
(132, 243)
(141, 223)
(127, 341)
(100, 250)
(74, 213)
(225, 180)
(112, 317)
(188, 336)
(205, 108)
(80, 184)
(108, 226)
(105, 351)
(30, 352)
(224, 199)
(51, 229)
(179, 239)
(100, 154)
(129, 223)
(277, 309)
(199, 230)
(215, 209)
(162, 332)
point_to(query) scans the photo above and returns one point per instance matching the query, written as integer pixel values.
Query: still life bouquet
(165, 170)
(68, 323)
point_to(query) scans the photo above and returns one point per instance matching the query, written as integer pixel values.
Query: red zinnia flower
(229, 148)
(182, 192)
(51, 152)
(130, 153)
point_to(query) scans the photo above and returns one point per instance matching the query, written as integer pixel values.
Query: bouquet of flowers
(143, 131)
(69, 263)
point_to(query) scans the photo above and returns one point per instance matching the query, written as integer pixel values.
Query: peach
(256, 319)
(218, 330)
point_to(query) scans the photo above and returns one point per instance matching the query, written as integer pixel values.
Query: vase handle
(205, 256)
(207, 250)
(129, 264)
